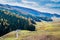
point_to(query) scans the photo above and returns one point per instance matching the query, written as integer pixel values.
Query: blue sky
(50, 6)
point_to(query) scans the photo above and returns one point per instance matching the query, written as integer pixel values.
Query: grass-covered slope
(45, 31)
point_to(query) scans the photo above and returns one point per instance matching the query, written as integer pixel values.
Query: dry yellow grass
(24, 34)
(43, 28)
(49, 26)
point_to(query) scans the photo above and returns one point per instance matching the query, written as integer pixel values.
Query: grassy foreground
(44, 31)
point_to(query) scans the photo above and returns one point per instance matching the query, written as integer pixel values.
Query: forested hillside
(10, 21)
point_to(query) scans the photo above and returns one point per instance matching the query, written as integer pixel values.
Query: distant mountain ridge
(29, 13)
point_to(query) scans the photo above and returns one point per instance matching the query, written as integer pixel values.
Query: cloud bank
(50, 6)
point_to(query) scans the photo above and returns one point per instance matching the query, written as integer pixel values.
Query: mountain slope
(10, 22)
(28, 13)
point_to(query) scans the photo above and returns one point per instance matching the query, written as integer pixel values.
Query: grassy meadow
(44, 31)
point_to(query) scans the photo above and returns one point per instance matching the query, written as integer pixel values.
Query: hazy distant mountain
(29, 13)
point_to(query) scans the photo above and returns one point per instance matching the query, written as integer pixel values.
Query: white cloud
(52, 5)
(32, 5)
(24, 1)
(55, 0)
(2, 1)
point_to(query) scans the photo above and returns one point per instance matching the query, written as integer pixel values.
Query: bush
(31, 28)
